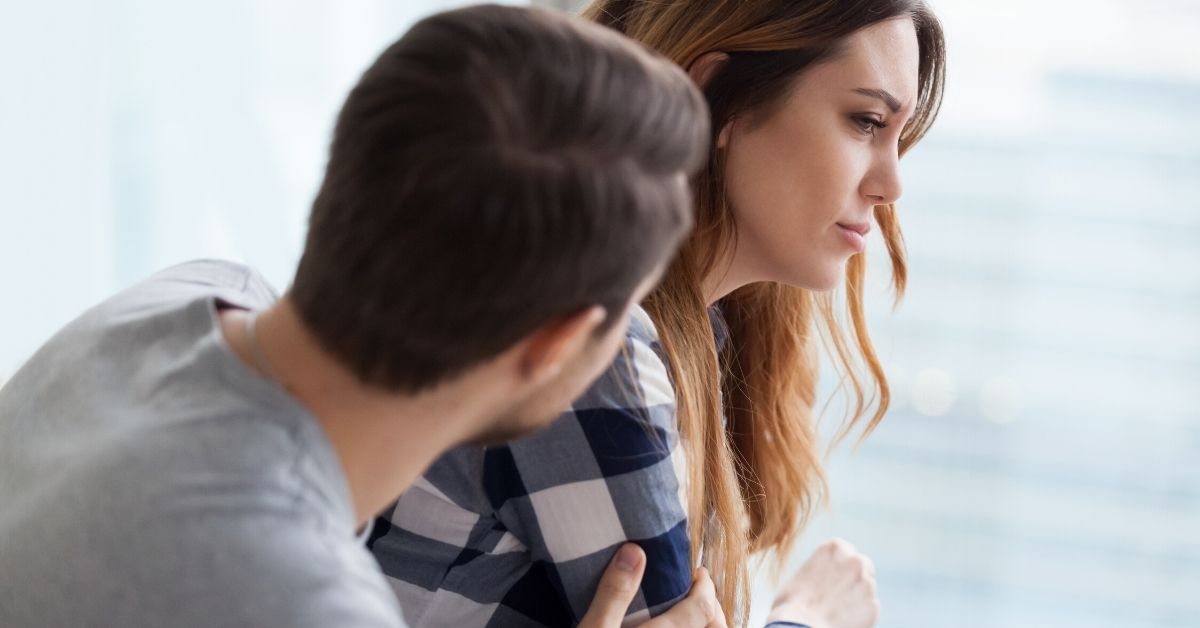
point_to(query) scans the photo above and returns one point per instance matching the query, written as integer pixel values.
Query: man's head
(502, 183)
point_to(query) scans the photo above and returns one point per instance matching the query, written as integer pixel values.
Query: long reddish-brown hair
(756, 476)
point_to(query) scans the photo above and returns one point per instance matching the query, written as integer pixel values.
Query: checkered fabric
(519, 535)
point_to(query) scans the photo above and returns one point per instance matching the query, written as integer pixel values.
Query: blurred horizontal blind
(1041, 464)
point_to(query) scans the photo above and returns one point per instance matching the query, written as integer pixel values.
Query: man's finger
(618, 586)
(699, 609)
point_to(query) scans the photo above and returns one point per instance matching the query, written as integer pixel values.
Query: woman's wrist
(791, 614)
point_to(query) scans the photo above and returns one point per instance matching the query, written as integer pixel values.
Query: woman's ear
(701, 70)
(705, 66)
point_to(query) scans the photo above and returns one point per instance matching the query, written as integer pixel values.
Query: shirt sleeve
(216, 568)
(608, 471)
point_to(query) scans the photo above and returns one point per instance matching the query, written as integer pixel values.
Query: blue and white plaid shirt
(519, 535)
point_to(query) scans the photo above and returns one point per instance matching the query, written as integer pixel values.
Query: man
(502, 185)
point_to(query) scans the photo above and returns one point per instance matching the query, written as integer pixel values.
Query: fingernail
(627, 557)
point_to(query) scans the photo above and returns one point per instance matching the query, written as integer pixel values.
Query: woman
(812, 103)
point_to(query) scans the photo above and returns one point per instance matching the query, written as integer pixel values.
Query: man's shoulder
(185, 287)
(203, 533)
(220, 276)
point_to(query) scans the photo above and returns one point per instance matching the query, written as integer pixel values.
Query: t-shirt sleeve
(608, 471)
(220, 568)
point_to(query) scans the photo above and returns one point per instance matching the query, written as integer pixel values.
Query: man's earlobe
(552, 346)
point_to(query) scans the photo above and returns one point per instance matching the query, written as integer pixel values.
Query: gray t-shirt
(149, 478)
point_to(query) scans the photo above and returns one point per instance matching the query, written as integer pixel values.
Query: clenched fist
(835, 588)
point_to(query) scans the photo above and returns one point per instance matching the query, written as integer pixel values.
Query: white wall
(135, 134)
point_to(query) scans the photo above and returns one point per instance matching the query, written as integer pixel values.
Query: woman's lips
(855, 234)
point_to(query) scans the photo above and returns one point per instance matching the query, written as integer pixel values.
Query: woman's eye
(869, 124)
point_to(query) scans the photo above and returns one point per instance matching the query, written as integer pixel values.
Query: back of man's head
(496, 169)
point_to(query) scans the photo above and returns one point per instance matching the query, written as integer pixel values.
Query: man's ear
(550, 347)
(701, 70)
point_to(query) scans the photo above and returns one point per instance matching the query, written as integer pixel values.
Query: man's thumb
(618, 586)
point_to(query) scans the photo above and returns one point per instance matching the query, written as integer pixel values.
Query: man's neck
(383, 440)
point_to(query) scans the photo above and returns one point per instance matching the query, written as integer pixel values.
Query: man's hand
(619, 585)
(835, 588)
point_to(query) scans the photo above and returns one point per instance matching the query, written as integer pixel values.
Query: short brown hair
(496, 168)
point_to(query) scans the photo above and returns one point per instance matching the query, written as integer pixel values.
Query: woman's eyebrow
(881, 94)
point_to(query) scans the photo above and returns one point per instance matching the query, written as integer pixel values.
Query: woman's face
(803, 180)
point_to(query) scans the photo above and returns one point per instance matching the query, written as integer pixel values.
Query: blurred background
(1041, 464)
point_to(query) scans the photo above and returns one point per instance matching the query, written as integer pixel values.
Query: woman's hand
(619, 585)
(835, 588)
